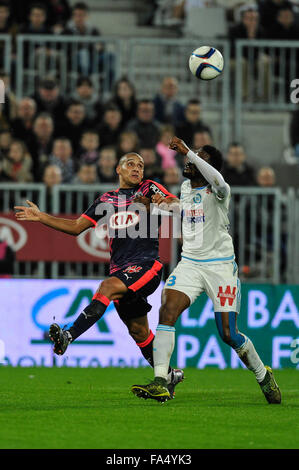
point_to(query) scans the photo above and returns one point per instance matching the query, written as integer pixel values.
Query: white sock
(251, 359)
(163, 347)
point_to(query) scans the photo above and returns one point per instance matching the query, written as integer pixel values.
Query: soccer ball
(206, 63)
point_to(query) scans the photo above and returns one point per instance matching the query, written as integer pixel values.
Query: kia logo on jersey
(122, 220)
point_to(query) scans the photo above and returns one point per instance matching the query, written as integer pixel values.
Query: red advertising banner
(33, 241)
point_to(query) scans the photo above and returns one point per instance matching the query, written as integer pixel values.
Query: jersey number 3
(171, 281)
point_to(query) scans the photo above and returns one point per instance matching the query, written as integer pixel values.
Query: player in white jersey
(207, 265)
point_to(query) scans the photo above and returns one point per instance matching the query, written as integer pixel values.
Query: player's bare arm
(170, 204)
(69, 226)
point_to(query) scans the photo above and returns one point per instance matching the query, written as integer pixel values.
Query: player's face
(131, 171)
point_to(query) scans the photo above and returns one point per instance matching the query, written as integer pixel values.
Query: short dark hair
(146, 101)
(234, 144)
(80, 6)
(82, 80)
(193, 101)
(283, 7)
(5, 4)
(216, 157)
(38, 6)
(112, 107)
(74, 102)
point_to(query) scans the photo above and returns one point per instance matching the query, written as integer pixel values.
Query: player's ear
(118, 169)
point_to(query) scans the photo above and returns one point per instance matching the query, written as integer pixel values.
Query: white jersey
(205, 225)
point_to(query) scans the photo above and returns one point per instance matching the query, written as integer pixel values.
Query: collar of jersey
(202, 187)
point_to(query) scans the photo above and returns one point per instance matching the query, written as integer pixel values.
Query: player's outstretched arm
(34, 214)
(169, 204)
(213, 176)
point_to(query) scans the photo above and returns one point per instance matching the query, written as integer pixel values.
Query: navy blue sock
(90, 315)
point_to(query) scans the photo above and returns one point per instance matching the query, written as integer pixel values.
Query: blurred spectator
(265, 215)
(5, 141)
(236, 170)
(7, 258)
(86, 95)
(58, 13)
(87, 174)
(74, 124)
(92, 58)
(172, 176)
(268, 11)
(106, 165)
(17, 164)
(49, 100)
(192, 123)
(9, 107)
(128, 142)
(89, 147)
(62, 157)
(167, 108)
(144, 125)
(125, 99)
(36, 22)
(248, 28)
(110, 128)
(201, 138)
(41, 144)
(51, 176)
(7, 26)
(169, 13)
(162, 148)
(266, 177)
(22, 125)
(152, 165)
(285, 26)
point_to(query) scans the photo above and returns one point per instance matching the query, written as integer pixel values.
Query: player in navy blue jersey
(135, 268)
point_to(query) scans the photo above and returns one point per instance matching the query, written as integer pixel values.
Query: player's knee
(168, 313)
(107, 288)
(138, 332)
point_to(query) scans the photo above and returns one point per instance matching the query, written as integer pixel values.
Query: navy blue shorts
(142, 280)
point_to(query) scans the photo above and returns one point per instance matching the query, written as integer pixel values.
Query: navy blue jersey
(133, 234)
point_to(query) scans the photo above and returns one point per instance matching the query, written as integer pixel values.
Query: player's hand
(178, 145)
(158, 199)
(31, 213)
(143, 200)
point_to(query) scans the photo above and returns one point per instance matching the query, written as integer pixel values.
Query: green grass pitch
(68, 408)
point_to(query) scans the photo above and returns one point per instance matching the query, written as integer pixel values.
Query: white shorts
(219, 281)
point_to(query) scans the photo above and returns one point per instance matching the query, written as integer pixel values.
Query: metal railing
(257, 231)
(67, 58)
(5, 49)
(263, 72)
(150, 60)
(16, 194)
(264, 226)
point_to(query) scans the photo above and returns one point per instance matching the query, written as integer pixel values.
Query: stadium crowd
(52, 138)
(78, 139)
